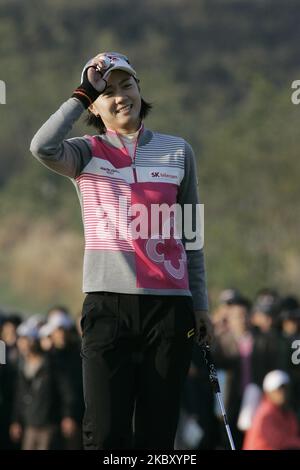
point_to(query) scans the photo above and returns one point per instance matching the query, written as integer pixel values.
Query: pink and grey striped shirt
(110, 183)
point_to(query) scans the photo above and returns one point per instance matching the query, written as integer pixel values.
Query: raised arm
(49, 146)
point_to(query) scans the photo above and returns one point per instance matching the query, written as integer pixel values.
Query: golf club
(213, 378)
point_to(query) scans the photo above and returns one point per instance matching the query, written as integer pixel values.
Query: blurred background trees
(218, 73)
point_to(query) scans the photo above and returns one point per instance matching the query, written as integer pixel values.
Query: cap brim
(124, 69)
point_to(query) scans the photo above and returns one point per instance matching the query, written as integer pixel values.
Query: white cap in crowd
(27, 329)
(275, 379)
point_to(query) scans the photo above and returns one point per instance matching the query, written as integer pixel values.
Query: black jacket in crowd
(45, 398)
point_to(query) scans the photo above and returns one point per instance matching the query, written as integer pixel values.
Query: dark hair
(240, 301)
(97, 122)
(14, 318)
(35, 346)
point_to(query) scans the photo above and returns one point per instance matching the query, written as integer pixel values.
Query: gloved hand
(204, 327)
(93, 83)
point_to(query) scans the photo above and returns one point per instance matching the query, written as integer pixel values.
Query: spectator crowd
(254, 349)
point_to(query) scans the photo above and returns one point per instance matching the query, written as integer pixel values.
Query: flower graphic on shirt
(169, 252)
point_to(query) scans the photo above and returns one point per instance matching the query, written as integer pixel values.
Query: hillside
(217, 72)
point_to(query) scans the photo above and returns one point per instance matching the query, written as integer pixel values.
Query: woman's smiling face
(119, 105)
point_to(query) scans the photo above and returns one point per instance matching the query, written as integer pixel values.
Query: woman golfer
(146, 291)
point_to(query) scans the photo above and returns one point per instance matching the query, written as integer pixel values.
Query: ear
(93, 110)
(137, 82)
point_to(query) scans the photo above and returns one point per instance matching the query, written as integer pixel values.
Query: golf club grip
(213, 377)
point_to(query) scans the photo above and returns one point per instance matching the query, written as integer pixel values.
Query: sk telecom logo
(2, 352)
(2, 92)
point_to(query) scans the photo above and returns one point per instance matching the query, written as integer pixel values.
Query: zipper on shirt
(133, 164)
(133, 161)
(134, 172)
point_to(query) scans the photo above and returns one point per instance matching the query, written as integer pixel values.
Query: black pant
(136, 351)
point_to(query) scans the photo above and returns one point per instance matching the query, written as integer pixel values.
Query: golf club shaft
(227, 427)
(213, 378)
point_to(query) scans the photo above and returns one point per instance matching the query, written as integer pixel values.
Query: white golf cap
(114, 61)
(28, 330)
(59, 320)
(45, 330)
(275, 379)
